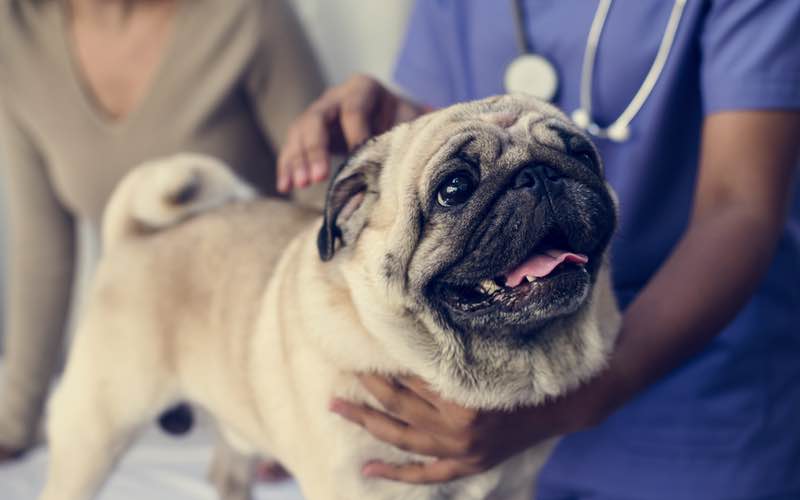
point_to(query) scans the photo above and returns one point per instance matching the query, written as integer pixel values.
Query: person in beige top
(91, 88)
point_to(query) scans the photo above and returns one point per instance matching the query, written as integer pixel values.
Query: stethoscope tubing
(619, 130)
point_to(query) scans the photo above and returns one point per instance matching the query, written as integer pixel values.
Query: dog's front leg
(103, 399)
(87, 433)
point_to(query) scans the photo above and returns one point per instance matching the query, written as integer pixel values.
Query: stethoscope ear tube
(538, 75)
(523, 45)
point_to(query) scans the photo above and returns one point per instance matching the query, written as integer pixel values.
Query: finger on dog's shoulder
(438, 471)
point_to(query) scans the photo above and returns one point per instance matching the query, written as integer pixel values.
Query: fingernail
(338, 406)
(300, 177)
(318, 170)
(371, 469)
(283, 184)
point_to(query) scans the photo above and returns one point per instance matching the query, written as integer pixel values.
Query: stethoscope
(536, 75)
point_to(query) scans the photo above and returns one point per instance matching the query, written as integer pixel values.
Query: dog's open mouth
(550, 275)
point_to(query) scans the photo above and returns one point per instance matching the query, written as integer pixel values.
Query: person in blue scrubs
(702, 397)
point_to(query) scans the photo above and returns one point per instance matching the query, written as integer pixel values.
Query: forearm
(37, 303)
(744, 189)
(708, 278)
(39, 270)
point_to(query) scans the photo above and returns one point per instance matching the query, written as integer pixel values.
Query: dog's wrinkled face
(488, 223)
(521, 218)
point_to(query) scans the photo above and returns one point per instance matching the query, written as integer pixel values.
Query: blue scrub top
(725, 425)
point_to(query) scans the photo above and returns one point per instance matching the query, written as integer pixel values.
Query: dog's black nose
(536, 177)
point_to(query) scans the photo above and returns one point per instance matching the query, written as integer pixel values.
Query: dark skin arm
(747, 165)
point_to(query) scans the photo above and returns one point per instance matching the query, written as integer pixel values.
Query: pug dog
(468, 248)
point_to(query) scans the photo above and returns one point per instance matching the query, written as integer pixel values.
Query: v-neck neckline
(88, 97)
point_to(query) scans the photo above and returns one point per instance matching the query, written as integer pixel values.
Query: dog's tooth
(530, 279)
(489, 286)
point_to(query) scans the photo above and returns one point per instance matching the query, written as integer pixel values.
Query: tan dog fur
(224, 301)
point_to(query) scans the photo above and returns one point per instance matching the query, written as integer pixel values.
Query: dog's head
(474, 243)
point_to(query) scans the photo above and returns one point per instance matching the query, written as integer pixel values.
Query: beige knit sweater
(233, 76)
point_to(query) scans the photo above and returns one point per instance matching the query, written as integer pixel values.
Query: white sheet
(157, 467)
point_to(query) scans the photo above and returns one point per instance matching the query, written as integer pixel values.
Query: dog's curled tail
(163, 192)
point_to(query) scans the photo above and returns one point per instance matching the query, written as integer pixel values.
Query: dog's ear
(352, 193)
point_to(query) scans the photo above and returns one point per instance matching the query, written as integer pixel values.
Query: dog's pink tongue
(540, 265)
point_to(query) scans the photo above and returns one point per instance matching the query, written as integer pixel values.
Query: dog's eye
(455, 190)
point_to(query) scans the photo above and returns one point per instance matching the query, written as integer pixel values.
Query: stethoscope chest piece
(532, 74)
